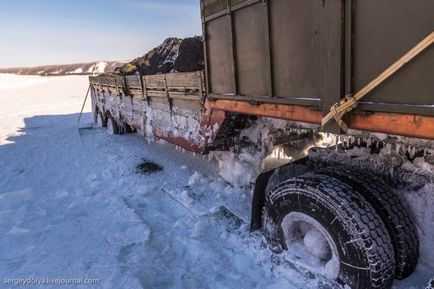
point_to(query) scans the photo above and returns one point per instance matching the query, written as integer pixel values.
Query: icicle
(336, 142)
(412, 152)
(388, 148)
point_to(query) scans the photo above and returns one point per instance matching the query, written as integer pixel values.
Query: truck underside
(201, 126)
(336, 194)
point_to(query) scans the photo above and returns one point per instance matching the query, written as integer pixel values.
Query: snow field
(72, 205)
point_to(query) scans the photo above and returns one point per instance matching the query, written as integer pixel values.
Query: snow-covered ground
(72, 205)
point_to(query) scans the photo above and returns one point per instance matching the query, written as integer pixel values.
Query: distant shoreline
(90, 68)
(49, 75)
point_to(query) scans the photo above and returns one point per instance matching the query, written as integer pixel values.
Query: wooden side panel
(155, 81)
(185, 80)
(133, 81)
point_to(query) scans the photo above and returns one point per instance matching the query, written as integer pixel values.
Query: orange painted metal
(283, 111)
(409, 125)
(211, 121)
(179, 141)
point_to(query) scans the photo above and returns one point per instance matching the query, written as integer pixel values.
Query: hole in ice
(148, 168)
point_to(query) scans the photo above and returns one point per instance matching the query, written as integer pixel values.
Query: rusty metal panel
(250, 53)
(384, 30)
(220, 59)
(295, 34)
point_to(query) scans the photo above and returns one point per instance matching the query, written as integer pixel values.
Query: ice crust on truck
(349, 193)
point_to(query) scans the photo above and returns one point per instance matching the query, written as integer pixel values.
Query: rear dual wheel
(113, 126)
(100, 120)
(116, 128)
(324, 218)
(390, 209)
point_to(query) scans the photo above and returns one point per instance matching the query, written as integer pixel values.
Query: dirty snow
(241, 169)
(73, 206)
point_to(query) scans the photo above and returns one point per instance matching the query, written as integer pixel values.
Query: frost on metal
(156, 118)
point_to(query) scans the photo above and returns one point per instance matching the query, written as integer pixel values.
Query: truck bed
(305, 56)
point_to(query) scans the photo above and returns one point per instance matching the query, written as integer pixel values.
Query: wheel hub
(301, 229)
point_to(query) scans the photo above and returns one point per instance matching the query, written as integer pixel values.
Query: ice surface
(72, 205)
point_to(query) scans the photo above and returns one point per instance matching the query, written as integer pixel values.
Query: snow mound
(240, 170)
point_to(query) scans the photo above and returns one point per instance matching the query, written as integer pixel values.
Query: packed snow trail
(72, 205)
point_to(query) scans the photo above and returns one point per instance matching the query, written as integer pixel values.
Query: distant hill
(66, 69)
(173, 55)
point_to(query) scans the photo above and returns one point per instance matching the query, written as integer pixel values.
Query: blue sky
(38, 32)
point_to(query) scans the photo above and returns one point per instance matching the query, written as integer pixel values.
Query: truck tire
(128, 128)
(392, 212)
(113, 126)
(101, 120)
(357, 250)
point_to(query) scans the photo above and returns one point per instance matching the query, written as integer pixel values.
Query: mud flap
(289, 170)
(258, 200)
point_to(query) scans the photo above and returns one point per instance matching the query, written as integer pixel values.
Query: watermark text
(51, 281)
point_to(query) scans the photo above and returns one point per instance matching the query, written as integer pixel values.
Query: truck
(343, 89)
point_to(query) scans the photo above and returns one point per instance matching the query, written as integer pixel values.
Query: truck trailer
(345, 89)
